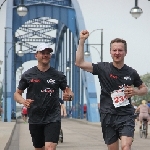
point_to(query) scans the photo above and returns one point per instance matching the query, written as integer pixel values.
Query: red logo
(34, 80)
(113, 76)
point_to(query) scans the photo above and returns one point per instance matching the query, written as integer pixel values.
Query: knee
(50, 146)
(126, 146)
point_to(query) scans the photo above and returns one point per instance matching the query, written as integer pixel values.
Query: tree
(146, 79)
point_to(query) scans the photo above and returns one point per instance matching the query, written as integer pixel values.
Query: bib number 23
(119, 98)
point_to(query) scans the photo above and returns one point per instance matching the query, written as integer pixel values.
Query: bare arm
(131, 91)
(87, 66)
(18, 96)
(138, 109)
(142, 90)
(19, 99)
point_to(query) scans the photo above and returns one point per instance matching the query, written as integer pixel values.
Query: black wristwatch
(70, 99)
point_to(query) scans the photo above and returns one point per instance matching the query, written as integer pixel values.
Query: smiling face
(43, 57)
(118, 51)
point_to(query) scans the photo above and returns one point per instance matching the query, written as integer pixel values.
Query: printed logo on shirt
(113, 76)
(48, 90)
(127, 78)
(51, 81)
(34, 80)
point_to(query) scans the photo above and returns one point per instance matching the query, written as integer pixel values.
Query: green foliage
(137, 99)
(146, 78)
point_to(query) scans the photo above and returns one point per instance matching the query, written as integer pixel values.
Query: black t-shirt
(61, 101)
(43, 88)
(113, 79)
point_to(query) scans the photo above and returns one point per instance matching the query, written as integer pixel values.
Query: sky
(114, 18)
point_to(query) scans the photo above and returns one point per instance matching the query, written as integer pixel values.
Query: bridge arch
(67, 29)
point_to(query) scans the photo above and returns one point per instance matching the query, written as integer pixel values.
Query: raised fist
(84, 34)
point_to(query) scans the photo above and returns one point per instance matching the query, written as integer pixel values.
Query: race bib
(119, 98)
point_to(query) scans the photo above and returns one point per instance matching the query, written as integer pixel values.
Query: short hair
(118, 40)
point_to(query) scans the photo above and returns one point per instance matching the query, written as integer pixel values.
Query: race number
(119, 98)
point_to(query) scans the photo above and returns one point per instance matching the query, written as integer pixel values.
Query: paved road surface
(78, 135)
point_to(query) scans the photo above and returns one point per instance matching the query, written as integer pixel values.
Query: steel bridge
(64, 19)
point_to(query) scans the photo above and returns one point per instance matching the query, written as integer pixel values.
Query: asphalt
(78, 135)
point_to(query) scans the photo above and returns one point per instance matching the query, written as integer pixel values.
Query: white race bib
(119, 98)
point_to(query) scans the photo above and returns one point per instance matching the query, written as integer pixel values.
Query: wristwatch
(70, 99)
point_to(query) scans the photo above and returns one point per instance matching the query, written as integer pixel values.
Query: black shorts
(115, 126)
(42, 133)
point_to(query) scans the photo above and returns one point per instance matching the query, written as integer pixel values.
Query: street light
(68, 66)
(22, 10)
(136, 11)
(20, 52)
(21, 69)
(87, 52)
(6, 54)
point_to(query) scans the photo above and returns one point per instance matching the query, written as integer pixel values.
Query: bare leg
(140, 124)
(126, 142)
(43, 148)
(25, 119)
(114, 146)
(22, 117)
(50, 146)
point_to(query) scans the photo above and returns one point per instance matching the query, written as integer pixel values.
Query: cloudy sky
(114, 18)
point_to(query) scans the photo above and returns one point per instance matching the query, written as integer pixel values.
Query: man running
(116, 80)
(43, 83)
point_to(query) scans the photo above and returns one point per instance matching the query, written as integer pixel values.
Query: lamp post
(20, 52)
(21, 69)
(6, 53)
(136, 11)
(22, 10)
(87, 53)
(68, 68)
